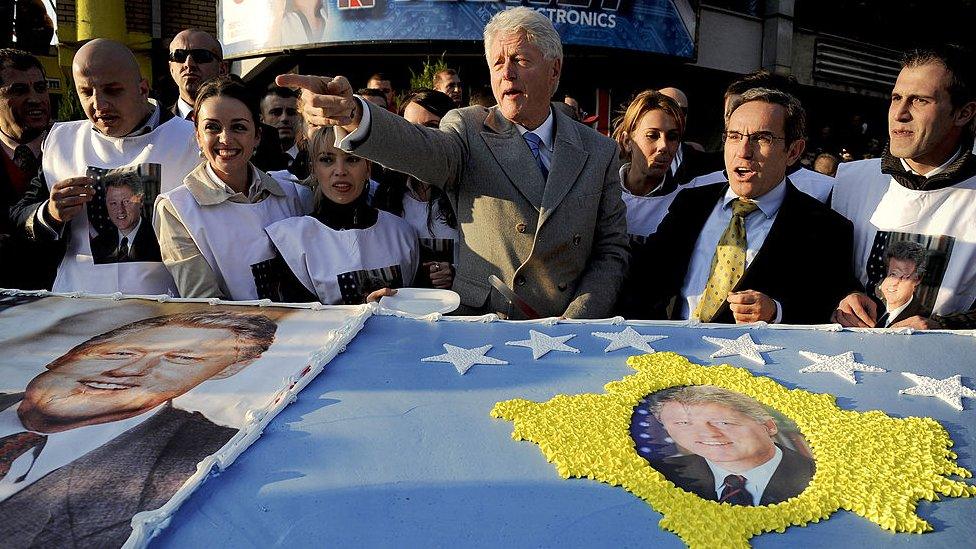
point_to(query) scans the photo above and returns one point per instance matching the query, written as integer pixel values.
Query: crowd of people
(311, 190)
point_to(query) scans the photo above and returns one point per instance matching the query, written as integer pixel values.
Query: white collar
(255, 177)
(936, 171)
(623, 183)
(768, 203)
(183, 107)
(545, 131)
(893, 313)
(132, 233)
(757, 478)
(293, 151)
(678, 157)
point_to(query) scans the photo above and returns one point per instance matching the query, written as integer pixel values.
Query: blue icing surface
(385, 450)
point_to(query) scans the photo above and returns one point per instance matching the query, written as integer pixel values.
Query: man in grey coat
(536, 193)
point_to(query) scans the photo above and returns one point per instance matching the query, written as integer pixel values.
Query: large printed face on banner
(666, 27)
(722, 445)
(111, 405)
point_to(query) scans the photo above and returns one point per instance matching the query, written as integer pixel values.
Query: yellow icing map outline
(868, 463)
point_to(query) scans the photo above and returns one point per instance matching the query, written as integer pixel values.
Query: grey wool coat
(560, 243)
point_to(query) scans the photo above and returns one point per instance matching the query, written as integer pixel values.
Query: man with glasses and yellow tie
(754, 248)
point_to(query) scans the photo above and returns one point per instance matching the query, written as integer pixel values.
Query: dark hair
(440, 75)
(226, 86)
(281, 91)
(483, 96)
(435, 102)
(130, 180)
(795, 125)
(962, 84)
(907, 250)
(257, 332)
(762, 79)
(18, 60)
(371, 92)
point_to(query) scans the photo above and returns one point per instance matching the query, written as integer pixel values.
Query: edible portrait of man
(725, 446)
(95, 438)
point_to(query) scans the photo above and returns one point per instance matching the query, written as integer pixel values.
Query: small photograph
(722, 445)
(905, 272)
(120, 214)
(356, 285)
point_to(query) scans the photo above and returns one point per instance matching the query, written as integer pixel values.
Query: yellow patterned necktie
(729, 262)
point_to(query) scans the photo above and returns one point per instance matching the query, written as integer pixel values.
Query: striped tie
(535, 143)
(734, 491)
(15, 445)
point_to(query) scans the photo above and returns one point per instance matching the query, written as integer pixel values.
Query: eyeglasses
(21, 89)
(762, 139)
(198, 56)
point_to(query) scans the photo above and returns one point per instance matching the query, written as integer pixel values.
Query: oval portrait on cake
(722, 445)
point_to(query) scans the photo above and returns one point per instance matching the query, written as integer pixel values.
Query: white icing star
(463, 359)
(541, 343)
(843, 365)
(742, 346)
(950, 390)
(629, 337)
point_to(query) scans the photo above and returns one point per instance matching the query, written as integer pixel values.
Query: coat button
(561, 287)
(520, 227)
(520, 280)
(577, 238)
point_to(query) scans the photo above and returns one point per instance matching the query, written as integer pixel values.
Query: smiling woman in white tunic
(346, 251)
(211, 228)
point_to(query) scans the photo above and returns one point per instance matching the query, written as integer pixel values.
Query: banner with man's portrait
(107, 407)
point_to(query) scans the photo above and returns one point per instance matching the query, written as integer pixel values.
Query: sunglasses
(198, 56)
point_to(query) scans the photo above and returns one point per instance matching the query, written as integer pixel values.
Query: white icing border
(621, 321)
(147, 524)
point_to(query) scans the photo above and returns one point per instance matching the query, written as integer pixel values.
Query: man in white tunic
(922, 190)
(124, 128)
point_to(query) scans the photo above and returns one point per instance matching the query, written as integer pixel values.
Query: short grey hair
(709, 394)
(907, 250)
(538, 30)
(796, 117)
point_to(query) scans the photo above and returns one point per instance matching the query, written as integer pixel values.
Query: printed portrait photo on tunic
(905, 272)
(120, 214)
(722, 445)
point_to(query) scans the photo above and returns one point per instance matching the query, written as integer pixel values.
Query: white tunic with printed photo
(231, 236)
(69, 149)
(435, 235)
(318, 255)
(876, 202)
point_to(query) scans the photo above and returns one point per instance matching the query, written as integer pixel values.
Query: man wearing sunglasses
(194, 58)
(754, 248)
(25, 116)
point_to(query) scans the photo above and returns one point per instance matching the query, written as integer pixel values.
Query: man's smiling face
(126, 375)
(719, 434)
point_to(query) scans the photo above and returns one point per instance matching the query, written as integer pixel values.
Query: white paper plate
(422, 301)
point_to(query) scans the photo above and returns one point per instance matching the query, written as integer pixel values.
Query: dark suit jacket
(142, 247)
(24, 264)
(805, 262)
(691, 473)
(915, 308)
(695, 163)
(90, 502)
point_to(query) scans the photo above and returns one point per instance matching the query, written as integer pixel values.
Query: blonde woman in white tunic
(211, 228)
(346, 251)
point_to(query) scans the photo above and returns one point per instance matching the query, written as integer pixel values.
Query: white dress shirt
(60, 449)
(132, 233)
(893, 314)
(757, 478)
(183, 108)
(935, 171)
(757, 227)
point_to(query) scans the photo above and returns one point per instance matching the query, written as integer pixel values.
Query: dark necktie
(124, 249)
(882, 322)
(535, 143)
(734, 491)
(15, 445)
(25, 160)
